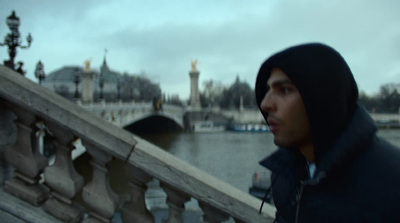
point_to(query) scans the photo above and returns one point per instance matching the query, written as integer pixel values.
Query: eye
(267, 89)
(285, 90)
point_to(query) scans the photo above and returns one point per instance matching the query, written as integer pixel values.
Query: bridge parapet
(124, 113)
(38, 109)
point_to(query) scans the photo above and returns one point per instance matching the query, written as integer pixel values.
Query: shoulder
(380, 164)
(377, 175)
(382, 153)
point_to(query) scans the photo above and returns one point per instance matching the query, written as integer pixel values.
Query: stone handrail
(35, 107)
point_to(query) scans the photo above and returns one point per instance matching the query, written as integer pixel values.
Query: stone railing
(54, 188)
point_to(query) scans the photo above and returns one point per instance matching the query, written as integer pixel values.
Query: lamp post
(39, 72)
(12, 41)
(101, 85)
(77, 80)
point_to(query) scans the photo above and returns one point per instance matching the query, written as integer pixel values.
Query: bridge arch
(154, 122)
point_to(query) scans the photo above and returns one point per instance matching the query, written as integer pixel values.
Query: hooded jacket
(357, 175)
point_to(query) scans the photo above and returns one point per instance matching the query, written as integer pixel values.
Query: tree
(387, 101)
(390, 98)
(237, 92)
(371, 103)
(212, 93)
(138, 88)
(174, 100)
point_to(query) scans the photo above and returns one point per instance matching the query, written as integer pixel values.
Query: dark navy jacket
(357, 180)
(358, 174)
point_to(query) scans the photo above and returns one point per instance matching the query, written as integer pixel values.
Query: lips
(273, 125)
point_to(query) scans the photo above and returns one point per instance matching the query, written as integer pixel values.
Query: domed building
(106, 84)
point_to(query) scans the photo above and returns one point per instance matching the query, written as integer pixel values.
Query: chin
(284, 143)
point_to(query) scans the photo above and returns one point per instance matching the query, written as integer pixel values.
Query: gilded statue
(194, 63)
(87, 65)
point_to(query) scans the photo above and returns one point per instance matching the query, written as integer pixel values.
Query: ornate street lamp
(12, 41)
(39, 72)
(77, 80)
(101, 85)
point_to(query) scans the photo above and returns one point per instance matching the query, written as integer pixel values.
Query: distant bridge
(142, 115)
(126, 115)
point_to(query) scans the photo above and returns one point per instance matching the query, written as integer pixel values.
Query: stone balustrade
(52, 190)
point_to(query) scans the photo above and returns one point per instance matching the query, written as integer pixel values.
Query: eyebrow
(279, 83)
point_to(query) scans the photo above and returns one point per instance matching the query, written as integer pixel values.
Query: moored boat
(207, 126)
(249, 128)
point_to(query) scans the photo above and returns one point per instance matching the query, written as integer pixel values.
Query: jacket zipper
(298, 201)
(300, 193)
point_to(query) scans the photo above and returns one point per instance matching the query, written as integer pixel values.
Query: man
(330, 165)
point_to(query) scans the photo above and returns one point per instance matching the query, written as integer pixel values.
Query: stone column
(87, 84)
(8, 136)
(176, 200)
(24, 156)
(135, 210)
(241, 108)
(62, 178)
(194, 87)
(212, 214)
(97, 194)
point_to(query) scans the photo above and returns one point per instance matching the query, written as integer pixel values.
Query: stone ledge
(14, 210)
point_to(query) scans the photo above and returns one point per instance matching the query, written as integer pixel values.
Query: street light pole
(12, 41)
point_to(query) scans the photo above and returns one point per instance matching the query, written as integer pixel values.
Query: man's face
(287, 116)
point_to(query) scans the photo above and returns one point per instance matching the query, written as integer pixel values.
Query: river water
(230, 156)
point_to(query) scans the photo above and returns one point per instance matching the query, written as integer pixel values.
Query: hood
(347, 148)
(325, 83)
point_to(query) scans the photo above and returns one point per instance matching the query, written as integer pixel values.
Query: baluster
(212, 214)
(176, 202)
(135, 210)
(97, 194)
(24, 156)
(62, 178)
(8, 136)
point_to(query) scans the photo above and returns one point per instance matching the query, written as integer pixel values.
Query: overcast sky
(227, 37)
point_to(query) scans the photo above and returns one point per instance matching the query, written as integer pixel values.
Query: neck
(308, 151)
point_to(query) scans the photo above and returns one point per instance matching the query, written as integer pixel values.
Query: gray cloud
(228, 38)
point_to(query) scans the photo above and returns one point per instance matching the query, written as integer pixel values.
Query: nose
(267, 103)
